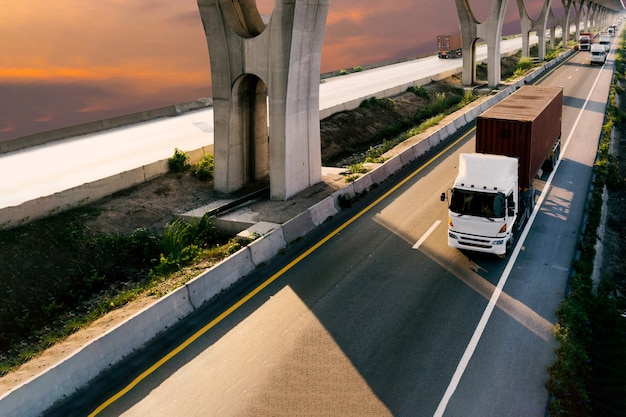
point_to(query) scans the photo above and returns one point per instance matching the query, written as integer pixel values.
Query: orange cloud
(45, 118)
(353, 15)
(7, 127)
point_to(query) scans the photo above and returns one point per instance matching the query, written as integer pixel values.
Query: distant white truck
(605, 41)
(584, 41)
(597, 54)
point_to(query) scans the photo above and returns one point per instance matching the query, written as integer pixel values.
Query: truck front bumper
(485, 244)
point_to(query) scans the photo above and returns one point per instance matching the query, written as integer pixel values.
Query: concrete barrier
(41, 392)
(298, 227)
(393, 165)
(36, 395)
(321, 211)
(262, 250)
(215, 280)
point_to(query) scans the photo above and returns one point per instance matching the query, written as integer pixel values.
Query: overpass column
(490, 31)
(563, 21)
(592, 11)
(600, 13)
(528, 25)
(578, 16)
(253, 65)
(585, 16)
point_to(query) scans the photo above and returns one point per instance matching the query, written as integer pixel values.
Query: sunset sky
(65, 62)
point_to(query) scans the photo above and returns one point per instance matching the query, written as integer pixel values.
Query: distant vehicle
(598, 54)
(449, 46)
(605, 40)
(584, 41)
(493, 194)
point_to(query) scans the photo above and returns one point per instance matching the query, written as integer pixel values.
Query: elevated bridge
(266, 79)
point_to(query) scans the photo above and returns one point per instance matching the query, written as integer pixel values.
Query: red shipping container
(525, 125)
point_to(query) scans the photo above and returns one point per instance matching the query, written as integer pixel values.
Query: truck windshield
(477, 204)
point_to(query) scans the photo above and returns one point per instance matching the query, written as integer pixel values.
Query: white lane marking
(480, 328)
(428, 232)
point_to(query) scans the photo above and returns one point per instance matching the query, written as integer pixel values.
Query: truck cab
(482, 209)
(597, 54)
(584, 42)
(605, 41)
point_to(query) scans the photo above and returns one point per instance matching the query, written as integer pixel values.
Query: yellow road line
(273, 278)
(266, 283)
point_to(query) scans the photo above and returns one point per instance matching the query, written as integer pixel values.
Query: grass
(83, 285)
(58, 275)
(588, 376)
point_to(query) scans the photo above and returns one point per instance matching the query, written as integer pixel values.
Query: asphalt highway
(372, 314)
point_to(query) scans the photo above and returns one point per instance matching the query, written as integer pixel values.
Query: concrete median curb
(39, 393)
(88, 192)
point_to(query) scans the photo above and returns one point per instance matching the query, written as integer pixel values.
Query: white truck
(605, 41)
(597, 54)
(493, 194)
(584, 41)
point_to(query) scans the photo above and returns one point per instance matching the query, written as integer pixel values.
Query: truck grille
(475, 243)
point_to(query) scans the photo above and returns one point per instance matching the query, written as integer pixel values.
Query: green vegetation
(588, 375)
(58, 275)
(204, 168)
(179, 162)
(429, 115)
(355, 171)
(418, 90)
(523, 65)
(358, 168)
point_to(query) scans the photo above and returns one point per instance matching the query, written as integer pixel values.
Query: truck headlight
(453, 236)
(498, 242)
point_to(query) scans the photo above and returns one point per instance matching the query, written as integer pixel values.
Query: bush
(418, 90)
(203, 170)
(179, 162)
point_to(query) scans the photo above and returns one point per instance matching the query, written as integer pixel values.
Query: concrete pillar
(528, 25)
(585, 16)
(565, 22)
(578, 15)
(592, 13)
(490, 31)
(601, 18)
(254, 65)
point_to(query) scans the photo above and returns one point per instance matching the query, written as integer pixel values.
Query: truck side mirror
(442, 197)
(511, 209)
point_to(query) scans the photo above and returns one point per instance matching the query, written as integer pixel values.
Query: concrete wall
(88, 192)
